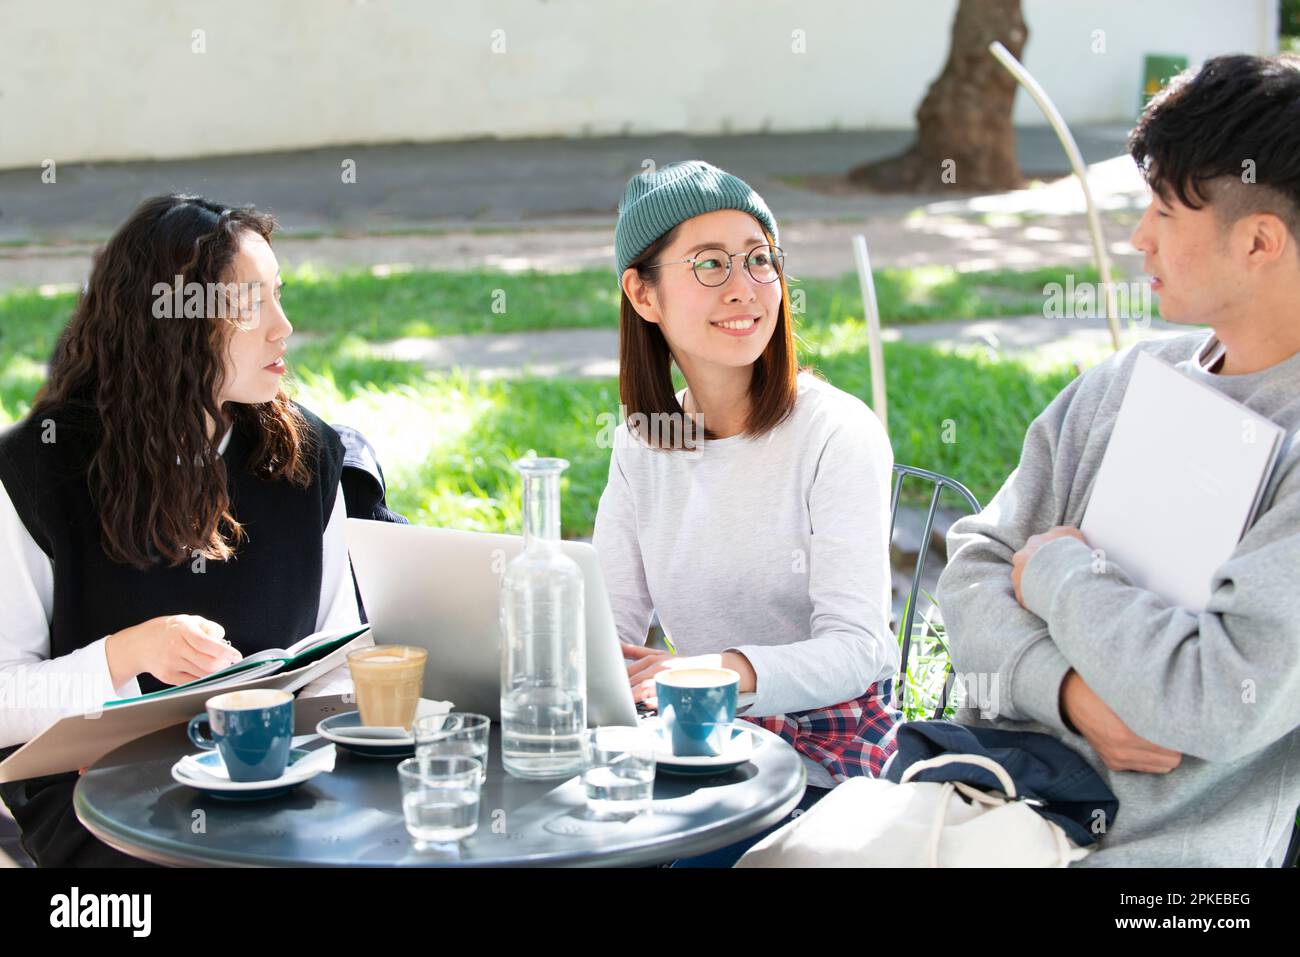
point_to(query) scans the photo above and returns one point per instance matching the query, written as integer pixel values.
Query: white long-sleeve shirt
(36, 690)
(776, 547)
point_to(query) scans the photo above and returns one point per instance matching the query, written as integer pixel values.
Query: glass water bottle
(543, 639)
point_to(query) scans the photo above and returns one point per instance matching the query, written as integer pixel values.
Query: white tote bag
(869, 822)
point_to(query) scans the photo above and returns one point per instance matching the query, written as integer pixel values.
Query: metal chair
(940, 482)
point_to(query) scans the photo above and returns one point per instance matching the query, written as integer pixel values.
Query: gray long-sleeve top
(1221, 686)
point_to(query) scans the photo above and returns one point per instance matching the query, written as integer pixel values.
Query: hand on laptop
(1113, 740)
(645, 663)
(1021, 558)
(642, 665)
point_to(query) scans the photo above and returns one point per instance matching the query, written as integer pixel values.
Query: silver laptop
(437, 588)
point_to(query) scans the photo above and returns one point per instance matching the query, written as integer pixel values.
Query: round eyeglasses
(712, 267)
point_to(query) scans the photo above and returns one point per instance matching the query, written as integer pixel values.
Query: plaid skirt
(850, 739)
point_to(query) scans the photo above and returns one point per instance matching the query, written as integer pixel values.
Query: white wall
(1104, 87)
(96, 80)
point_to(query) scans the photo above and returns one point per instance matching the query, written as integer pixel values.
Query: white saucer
(744, 742)
(206, 772)
(346, 730)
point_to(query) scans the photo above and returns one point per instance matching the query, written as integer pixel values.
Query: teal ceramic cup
(252, 731)
(698, 707)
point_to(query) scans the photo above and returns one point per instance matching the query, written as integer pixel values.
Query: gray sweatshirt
(1222, 687)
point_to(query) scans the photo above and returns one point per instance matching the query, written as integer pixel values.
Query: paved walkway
(593, 353)
(814, 248)
(486, 183)
(550, 204)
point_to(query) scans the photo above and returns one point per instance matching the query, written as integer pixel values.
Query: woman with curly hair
(165, 508)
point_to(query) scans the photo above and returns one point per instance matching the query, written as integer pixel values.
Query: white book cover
(1180, 482)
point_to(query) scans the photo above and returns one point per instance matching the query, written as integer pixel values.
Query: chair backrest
(940, 482)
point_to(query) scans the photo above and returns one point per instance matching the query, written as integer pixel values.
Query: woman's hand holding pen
(172, 648)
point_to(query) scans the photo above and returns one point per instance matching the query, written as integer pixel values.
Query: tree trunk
(964, 138)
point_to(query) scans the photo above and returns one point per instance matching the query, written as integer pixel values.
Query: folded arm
(989, 634)
(1219, 684)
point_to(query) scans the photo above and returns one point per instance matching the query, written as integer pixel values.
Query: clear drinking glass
(460, 733)
(544, 645)
(440, 797)
(620, 773)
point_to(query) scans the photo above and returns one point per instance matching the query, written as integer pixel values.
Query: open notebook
(311, 649)
(1182, 478)
(79, 741)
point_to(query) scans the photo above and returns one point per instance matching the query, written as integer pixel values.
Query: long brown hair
(148, 382)
(645, 381)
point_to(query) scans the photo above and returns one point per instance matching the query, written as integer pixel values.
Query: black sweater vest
(267, 596)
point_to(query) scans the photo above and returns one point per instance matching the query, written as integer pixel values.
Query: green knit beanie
(657, 200)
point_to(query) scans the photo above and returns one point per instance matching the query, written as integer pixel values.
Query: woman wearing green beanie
(751, 509)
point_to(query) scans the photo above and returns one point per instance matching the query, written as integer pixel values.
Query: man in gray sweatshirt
(1191, 719)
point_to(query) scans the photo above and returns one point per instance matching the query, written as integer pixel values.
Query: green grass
(435, 303)
(447, 441)
(962, 413)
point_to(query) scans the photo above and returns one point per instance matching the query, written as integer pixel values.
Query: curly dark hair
(1196, 136)
(150, 381)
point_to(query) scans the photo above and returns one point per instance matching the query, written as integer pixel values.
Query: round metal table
(352, 817)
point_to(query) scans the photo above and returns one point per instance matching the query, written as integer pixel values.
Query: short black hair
(1195, 136)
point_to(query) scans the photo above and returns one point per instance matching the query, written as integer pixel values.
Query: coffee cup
(251, 730)
(387, 680)
(698, 707)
